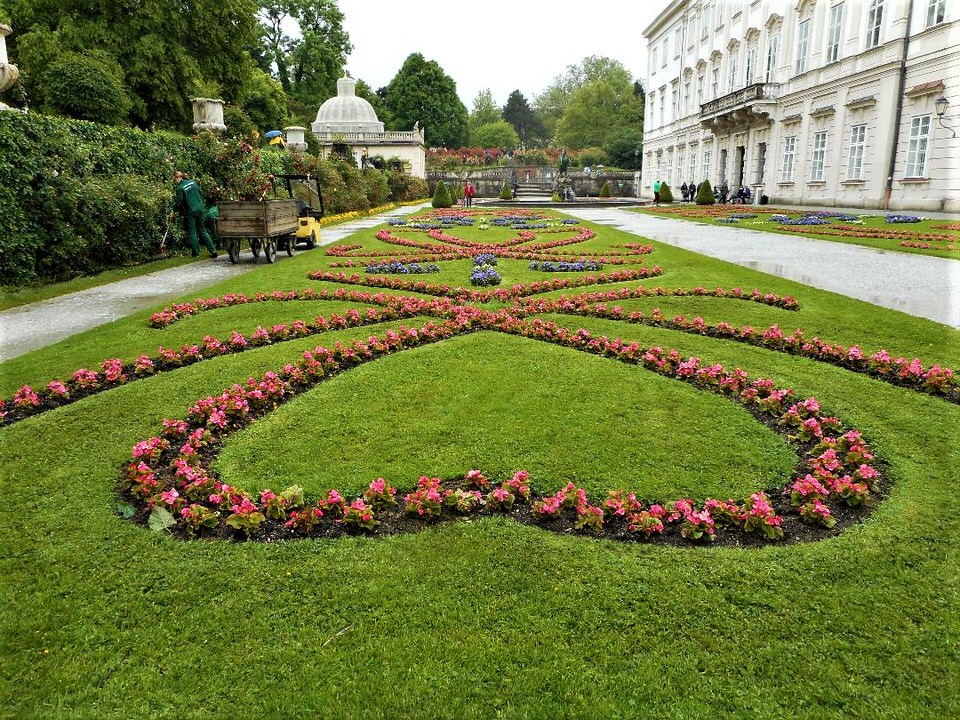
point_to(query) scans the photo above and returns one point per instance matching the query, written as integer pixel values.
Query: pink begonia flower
(216, 498)
(378, 485)
(170, 496)
(500, 495)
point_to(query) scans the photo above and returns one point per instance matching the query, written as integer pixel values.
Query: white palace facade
(845, 103)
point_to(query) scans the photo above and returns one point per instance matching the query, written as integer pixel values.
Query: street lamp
(636, 160)
(940, 104)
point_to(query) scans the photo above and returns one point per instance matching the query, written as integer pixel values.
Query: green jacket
(188, 199)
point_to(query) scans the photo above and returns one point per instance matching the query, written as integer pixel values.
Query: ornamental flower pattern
(171, 473)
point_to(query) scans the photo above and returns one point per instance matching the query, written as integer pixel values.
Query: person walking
(189, 203)
(468, 192)
(656, 192)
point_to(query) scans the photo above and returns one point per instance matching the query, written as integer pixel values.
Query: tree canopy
(421, 92)
(552, 103)
(528, 126)
(165, 49)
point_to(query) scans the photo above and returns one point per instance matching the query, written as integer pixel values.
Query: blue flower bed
(485, 259)
(484, 275)
(562, 266)
(901, 219)
(396, 221)
(569, 221)
(728, 220)
(398, 268)
(742, 216)
(805, 220)
(529, 226)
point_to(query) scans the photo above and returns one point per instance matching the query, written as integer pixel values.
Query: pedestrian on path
(189, 203)
(656, 192)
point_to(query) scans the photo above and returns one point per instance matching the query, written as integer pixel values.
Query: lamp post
(940, 105)
(636, 159)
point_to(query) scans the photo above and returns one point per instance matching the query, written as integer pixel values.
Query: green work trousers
(193, 223)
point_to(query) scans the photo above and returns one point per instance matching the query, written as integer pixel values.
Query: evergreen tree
(666, 194)
(421, 92)
(517, 112)
(441, 196)
(705, 194)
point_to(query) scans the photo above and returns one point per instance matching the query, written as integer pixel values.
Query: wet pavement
(915, 284)
(37, 325)
(918, 285)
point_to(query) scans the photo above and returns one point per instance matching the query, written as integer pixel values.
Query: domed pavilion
(348, 125)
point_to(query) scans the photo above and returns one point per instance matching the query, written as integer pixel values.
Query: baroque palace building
(846, 103)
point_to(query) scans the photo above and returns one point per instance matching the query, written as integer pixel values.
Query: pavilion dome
(347, 113)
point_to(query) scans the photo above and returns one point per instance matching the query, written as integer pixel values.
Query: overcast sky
(500, 45)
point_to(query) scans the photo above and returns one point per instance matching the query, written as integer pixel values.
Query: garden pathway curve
(915, 284)
(43, 323)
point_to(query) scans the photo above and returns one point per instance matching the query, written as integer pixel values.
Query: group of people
(721, 193)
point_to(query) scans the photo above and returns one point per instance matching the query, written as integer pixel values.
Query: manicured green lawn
(102, 618)
(940, 238)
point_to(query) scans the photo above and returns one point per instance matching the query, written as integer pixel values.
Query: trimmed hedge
(78, 197)
(666, 194)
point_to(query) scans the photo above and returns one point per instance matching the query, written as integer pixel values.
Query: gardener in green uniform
(190, 204)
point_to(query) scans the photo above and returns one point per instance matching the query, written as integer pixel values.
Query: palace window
(803, 45)
(834, 33)
(732, 70)
(789, 152)
(773, 56)
(917, 146)
(819, 154)
(936, 11)
(874, 23)
(751, 69)
(858, 142)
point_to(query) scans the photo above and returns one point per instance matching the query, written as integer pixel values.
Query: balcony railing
(739, 99)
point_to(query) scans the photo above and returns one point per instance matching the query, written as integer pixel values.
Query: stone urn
(208, 115)
(9, 74)
(296, 138)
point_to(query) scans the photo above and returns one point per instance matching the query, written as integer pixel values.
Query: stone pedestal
(208, 115)
(296, 138)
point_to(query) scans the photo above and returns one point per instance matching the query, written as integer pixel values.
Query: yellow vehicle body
(308, 231)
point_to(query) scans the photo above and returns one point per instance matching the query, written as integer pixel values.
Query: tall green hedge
(78, 197)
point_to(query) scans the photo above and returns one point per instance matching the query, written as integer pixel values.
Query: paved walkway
(37, 325)
(915, 284)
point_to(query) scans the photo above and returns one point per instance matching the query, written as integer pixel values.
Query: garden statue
(8, 73)
(564, 162)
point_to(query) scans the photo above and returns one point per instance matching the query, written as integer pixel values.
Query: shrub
(605, 190)
(705, 194)
(404, 188)
(441, 196)
(87, 88)
(666, 194)
(506, 193)
(593, 156)
(239, 125)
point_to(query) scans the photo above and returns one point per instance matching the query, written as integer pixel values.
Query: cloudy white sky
(500, 45)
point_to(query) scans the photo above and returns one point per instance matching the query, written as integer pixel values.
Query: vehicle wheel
(291, 245)
(269, 251)
(233, 250)
(313, 240)
(255, 247)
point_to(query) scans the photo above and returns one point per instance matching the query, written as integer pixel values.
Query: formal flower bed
(385, 307)
(399, 268)
(169, 483)
(555, 267)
